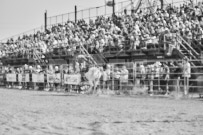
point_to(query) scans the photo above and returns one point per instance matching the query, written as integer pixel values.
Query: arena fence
(153, 77)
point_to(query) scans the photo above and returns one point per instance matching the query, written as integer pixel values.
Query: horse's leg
(97, 86)
(90, 90)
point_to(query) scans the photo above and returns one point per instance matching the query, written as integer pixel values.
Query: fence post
(113, 78)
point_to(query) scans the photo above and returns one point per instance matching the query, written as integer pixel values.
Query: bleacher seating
(138, 34)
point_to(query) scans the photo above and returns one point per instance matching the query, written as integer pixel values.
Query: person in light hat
(38, 69)
(157, 68)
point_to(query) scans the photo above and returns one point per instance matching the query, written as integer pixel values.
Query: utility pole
(75, 14)
(45, 21)
(113, 7)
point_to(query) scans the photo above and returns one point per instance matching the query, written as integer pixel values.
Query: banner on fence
(50, 78)
(57, 78)
(72, 79)
(23, 78)
(54, 78)
(39, 78)
(1, 76)
(11, 77)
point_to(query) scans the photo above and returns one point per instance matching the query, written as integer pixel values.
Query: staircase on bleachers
(186, 50)
(99, 58)
(37, 56)
(85, 53)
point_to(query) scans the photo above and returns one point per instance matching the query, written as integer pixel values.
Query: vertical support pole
(113, 7)
(45, 21)
(164, 43)
(75, 14)
(113, 86)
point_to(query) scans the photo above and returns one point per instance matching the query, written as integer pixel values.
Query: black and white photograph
(101, 67)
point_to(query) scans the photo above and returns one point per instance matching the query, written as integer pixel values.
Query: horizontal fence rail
(155, 77)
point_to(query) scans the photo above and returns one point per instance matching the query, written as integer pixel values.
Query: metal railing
(87, 14)
(152, 76)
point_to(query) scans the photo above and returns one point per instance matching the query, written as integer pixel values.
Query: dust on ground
(48, 113)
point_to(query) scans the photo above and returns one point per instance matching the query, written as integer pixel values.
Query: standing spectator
(186, 74)
(166, 77)
(117, 75)
(124, 77)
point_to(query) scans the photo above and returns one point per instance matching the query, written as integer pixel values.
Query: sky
(18, 16)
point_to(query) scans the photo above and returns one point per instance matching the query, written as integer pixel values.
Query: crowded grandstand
(157, 47)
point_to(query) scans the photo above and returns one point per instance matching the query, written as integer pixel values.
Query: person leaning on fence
(106, 77)
(143, 75)
(38, 70)
(166, 77)
(124, 78)
(150, 77)
(177, 74)
(26, 70)
(65, 71)
(116, 76)
(140, 74)
(156, 81)
(30, 83)
(50, 72)
(56, 83)
(186, 74)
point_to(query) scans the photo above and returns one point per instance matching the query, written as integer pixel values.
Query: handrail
(196, 53)
(186, 49)
(86, 53)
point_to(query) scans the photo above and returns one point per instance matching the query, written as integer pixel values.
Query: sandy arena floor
(46, 113)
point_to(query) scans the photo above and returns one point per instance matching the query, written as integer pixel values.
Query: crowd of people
(158, 76)
(140, 30)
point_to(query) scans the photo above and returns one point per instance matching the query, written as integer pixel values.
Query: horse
(93, 77)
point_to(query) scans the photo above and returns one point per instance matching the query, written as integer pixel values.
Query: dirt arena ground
(48, 113)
